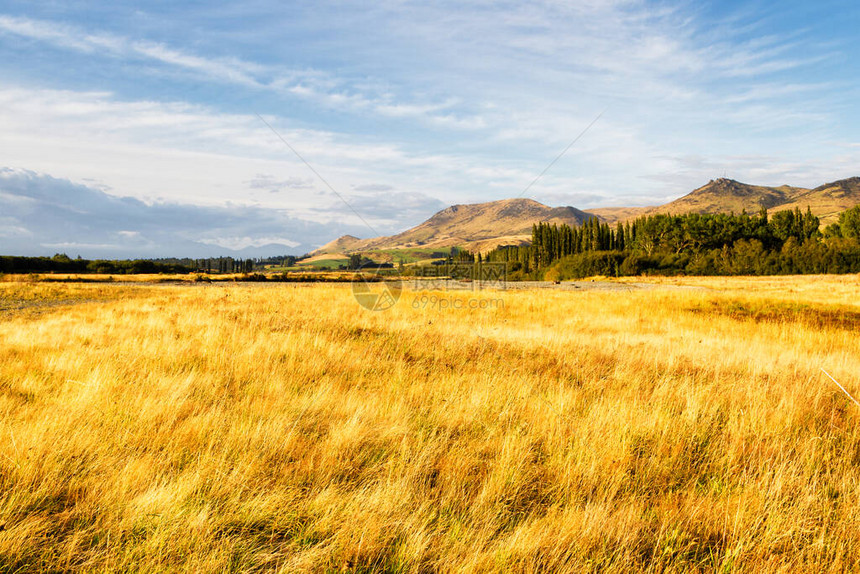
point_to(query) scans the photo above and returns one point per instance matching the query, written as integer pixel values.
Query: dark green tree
(849, 223)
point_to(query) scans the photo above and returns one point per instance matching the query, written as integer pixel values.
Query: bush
(552, 274)
(589, 264)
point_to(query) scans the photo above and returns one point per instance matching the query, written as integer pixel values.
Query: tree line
(62, 263)
(789, 242)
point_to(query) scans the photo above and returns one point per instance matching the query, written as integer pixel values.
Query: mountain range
(483, 226)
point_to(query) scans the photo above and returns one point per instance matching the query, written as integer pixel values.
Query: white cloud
(191, 154)
(59, 214)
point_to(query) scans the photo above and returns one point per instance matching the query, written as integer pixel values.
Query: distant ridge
(480, 226)
(722, 195)
(483, 226)
(829, 200)
(344, 243)
(729, 196)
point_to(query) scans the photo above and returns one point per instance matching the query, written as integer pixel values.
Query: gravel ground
(418, 285)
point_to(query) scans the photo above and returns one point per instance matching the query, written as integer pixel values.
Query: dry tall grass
(237, 428)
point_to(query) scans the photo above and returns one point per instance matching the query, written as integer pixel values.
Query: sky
(263, 128)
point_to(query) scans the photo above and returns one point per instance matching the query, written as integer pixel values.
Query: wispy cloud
(320, 87)
(65, 36)
(625, 51)
(272, 184)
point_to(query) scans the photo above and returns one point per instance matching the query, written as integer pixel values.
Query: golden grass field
(238, 427)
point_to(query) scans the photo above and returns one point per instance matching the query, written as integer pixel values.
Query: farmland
(675, 424)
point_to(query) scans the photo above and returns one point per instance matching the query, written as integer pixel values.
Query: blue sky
(404, 108)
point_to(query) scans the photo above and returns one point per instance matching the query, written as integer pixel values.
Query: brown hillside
(480, 226)
(727, 195)
(615, 214)
(829, 200)
(343, 243)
